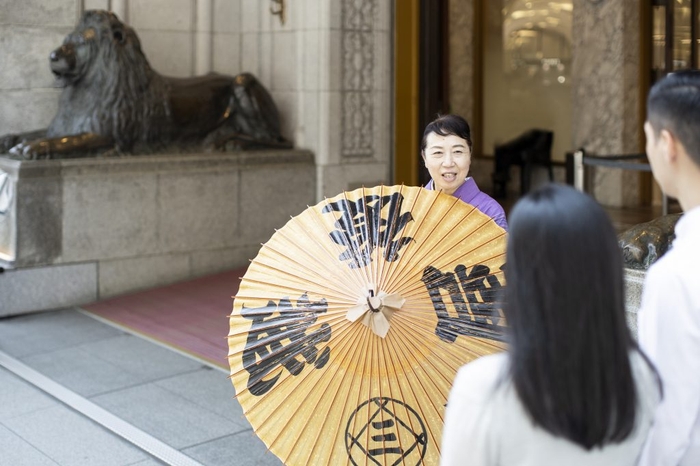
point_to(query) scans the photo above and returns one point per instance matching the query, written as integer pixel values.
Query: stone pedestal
(634, 281)
(79, 230)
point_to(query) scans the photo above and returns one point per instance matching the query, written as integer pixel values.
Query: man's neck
(688, 187)
(690, 200)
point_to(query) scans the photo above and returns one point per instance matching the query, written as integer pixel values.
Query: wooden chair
(532, 148)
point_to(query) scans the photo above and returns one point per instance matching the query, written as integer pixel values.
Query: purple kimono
(469, 192)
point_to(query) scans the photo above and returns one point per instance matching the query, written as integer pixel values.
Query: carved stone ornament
(357, 78)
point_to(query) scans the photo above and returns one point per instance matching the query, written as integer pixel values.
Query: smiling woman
(446, 151)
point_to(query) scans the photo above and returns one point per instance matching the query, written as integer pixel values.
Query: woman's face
(447, 158)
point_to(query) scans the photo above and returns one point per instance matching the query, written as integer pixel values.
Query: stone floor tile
(242, 449)
(142, 358)
(168, 417)
(71, 439)
(212, 390)
(148, 462)
(38, 333)
(18, 397)
(81, 371)
(17, 452)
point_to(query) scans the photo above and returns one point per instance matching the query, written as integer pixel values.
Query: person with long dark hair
(573, 388)
(446, 150)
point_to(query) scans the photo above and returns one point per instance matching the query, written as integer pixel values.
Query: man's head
(673, 127)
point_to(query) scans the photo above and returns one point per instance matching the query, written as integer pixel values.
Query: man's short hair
(674, 105)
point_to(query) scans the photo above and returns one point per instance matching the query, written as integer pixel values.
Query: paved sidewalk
(180, 401)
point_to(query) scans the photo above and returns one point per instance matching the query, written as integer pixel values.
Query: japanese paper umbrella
(351, 322)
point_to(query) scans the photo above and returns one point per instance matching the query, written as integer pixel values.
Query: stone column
(119, 8)
(203, 37)
(606, 71)
(353, 138)
(461, 58)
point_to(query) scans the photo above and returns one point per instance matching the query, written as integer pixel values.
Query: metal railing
(623, 162)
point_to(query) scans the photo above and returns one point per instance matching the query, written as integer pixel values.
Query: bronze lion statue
(645, 243)
(113, 101)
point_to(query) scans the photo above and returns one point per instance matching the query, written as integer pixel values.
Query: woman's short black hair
(447, 125)
(564, 304)
(674, 104)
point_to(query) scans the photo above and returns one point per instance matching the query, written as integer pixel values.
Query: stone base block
(634, 281)
(47, 288)
(138, 222)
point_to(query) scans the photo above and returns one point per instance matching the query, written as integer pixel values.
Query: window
(674, 36)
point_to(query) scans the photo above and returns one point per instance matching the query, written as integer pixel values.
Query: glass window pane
(527, 71)
(681, 34)
(658, 42)
(697, 33)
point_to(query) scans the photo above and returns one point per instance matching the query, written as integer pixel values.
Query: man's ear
(669, 146)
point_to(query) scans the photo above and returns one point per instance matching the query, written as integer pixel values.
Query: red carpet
(191, 316)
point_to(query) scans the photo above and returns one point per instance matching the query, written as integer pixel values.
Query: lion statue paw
(645, 243)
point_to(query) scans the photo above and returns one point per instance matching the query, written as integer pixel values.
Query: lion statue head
(110, 88)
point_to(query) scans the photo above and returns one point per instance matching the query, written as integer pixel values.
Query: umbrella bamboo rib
(378, 264)
(389, 233)
(299, 382)
(420, 254)
(333, 259)
(342, 324)
(279, 335)
(356, 348)
(353, 336)
(408, 259)
(419, 406)
(462, 344)
(296, 277)
(402, 345)
(368, 227)
(335, 307)
(418, 286)
(415, 285)
(386, 355)
(350, 242)
(361, 395)
(263, 294)
(318, 220)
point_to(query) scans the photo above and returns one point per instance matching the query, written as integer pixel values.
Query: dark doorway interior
(433, 75)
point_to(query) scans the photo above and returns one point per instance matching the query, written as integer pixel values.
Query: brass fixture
(281, 12)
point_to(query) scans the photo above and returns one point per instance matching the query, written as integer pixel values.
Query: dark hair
(446, 125)
(674, 104)
(564, 304)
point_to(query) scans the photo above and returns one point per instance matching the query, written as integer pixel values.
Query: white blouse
(669, 333)
(486, 424)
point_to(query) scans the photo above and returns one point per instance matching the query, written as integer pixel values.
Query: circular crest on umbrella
(350, 324)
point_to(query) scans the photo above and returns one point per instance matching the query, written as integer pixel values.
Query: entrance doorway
(421, 81)
(519, 73)
(526, 73)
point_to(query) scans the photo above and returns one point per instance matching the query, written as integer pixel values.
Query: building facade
(349, 76)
